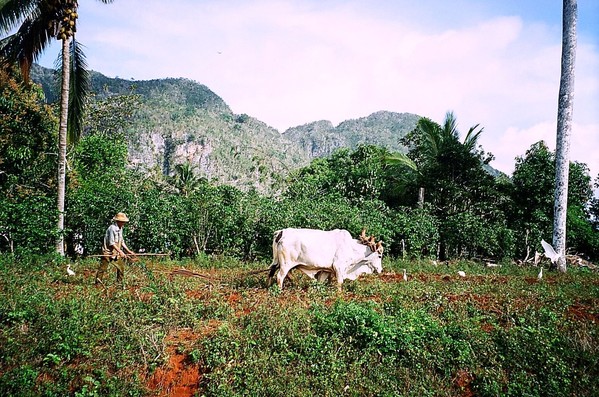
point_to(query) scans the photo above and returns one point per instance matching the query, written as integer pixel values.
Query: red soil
(178, 378)
(463, 378)
(587, 311)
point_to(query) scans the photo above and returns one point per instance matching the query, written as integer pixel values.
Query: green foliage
(26, 224)
(27, 136)
(466, 200)
(19, 381)
(100, 155)
(27, 139)
(356, 175)
(99, 187)
(360, 326)
(536, 351)
(111, 114)
(533, 191)
(154, 222)
(487, 334)
(27, 133)
(470, 236)
(467, 212)
(424, 340)
(185, 181)
(581, 234)
(415, 233)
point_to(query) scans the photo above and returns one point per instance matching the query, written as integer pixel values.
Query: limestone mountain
(321, 138)
(180, 121)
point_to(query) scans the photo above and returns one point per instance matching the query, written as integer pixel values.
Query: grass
(496, 332)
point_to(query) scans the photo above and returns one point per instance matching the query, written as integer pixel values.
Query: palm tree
(185, 180)
(564, 128)
(443, 137)
(40, 22)
(435, 141)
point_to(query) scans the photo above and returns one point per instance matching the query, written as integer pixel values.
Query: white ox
(320, 254)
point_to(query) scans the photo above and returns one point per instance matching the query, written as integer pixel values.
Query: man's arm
(127, 250)
(120, 252)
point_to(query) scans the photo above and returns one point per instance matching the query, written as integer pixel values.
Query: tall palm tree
(435, 141)
(564, 129)
(439, 138)
(40, 22)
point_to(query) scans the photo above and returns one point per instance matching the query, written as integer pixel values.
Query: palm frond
(13, 12)
(401, 159)
(26, 45)
(471, 139)
(79, 87)
(450, 126)
(432, 135)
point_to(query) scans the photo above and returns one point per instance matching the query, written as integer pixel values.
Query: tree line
(438, 201)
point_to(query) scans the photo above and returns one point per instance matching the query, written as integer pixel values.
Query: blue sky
(492, 62)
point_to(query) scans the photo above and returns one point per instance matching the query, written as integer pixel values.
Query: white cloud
(514, 142)
(290, 62)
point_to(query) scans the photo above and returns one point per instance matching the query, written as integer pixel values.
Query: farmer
(114, 249)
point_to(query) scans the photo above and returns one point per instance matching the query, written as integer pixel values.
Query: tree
(27, 168)
(100, 156)
(431, 145)
(533, 196)
(27, 134)
(463, 196)
(564, 128)
(185, 181)
(40, 22)
(594, 207)
(357, 175)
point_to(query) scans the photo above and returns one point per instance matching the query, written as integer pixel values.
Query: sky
(291, 62)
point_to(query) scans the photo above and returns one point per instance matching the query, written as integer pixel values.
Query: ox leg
(323, 276)
(282, 258)
(283, 271)
(340, 276)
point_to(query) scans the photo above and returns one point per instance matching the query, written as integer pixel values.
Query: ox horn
(363, 237)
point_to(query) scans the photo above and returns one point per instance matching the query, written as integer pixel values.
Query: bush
(415, 233)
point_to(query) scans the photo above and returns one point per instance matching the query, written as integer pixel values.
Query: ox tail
(273, 270)
(274, 267)
(277, 236)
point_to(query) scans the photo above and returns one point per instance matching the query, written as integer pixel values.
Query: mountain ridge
(180, 120)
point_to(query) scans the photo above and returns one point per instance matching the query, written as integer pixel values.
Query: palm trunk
(62, 143)
(564, 128)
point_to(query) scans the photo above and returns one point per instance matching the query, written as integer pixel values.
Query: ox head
(375, 257)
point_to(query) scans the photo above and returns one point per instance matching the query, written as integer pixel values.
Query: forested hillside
(173, 156)
(479, 315)
(179, 121)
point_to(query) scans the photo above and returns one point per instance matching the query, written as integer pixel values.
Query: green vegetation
(495, 332)
(28, 137)
(498, 331)
(465, 213)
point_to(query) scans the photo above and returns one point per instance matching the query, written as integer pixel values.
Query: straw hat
(120, 217)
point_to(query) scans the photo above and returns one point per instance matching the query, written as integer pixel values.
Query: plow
(176, 272)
